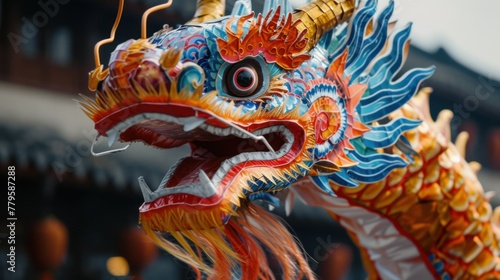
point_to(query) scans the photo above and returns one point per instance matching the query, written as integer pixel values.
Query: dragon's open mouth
(220, 151)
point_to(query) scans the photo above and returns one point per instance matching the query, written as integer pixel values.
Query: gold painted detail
(207, 10)
(317, 17)
(441, 204)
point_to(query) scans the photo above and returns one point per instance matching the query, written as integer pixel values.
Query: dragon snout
(141, 66)
(135, 63)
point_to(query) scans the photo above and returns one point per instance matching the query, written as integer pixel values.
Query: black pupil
(244, 79)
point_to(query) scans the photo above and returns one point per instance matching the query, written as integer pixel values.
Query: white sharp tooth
(247, 134)
(128, 122)
(112, 137)
(241, 158)
(192, 123)
(217, 178)
(288, 146)
(146, 191)
(226, 165)
(170, 172)
(121, 126)
(238, 133)
(209, 128)
(133, 120)
(270, 207)
(208, 186)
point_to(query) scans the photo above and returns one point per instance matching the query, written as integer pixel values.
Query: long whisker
(147, 13)
(100, 154)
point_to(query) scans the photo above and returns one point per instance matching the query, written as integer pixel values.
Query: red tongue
(187, 171)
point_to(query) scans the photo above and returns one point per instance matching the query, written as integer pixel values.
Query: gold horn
(208, 10)
(320, 16)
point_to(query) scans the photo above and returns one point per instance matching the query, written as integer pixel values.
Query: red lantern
(137, 249)
(46, 246)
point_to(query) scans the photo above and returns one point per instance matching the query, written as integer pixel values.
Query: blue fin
(387, 135)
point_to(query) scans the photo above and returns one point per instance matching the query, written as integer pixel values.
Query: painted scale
(299, 103)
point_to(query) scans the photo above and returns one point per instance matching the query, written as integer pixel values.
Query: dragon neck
(434, 208)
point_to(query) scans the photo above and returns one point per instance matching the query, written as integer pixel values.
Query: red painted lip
(171, 135)
(175, 110)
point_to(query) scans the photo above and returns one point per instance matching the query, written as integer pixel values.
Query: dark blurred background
(77, 215)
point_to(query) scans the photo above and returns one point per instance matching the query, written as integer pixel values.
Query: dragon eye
(243, 79)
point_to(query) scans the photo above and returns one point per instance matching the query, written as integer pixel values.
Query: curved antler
(99, 73)
(208, 10)
(320, 16)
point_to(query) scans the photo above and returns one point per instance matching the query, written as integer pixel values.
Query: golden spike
(88, 107)
(113, 97)
(288, 173)
(495, 217)
(207, 10)
(475, 166)
(170, 58)
(230, 108)
(318, 17)
(90, 103)
(236, 113)
(208, 97)
(461, 142)
(275, 112)
(102, 101)
(303, 165)
(421, 101)
(489, 195)
(293, 114)
(162, 90)
(443, 123)
(198, 90)
(110, 98)
(271, 178)
(149, 11)
(150, 89)
(295, 169)
(89, 114)
(235, 199)
(139, 91)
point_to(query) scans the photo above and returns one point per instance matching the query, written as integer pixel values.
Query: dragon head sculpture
(263, 101)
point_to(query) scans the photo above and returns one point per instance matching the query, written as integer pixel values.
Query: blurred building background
(91, 203)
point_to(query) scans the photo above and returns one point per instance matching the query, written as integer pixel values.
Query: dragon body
(305, 104)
